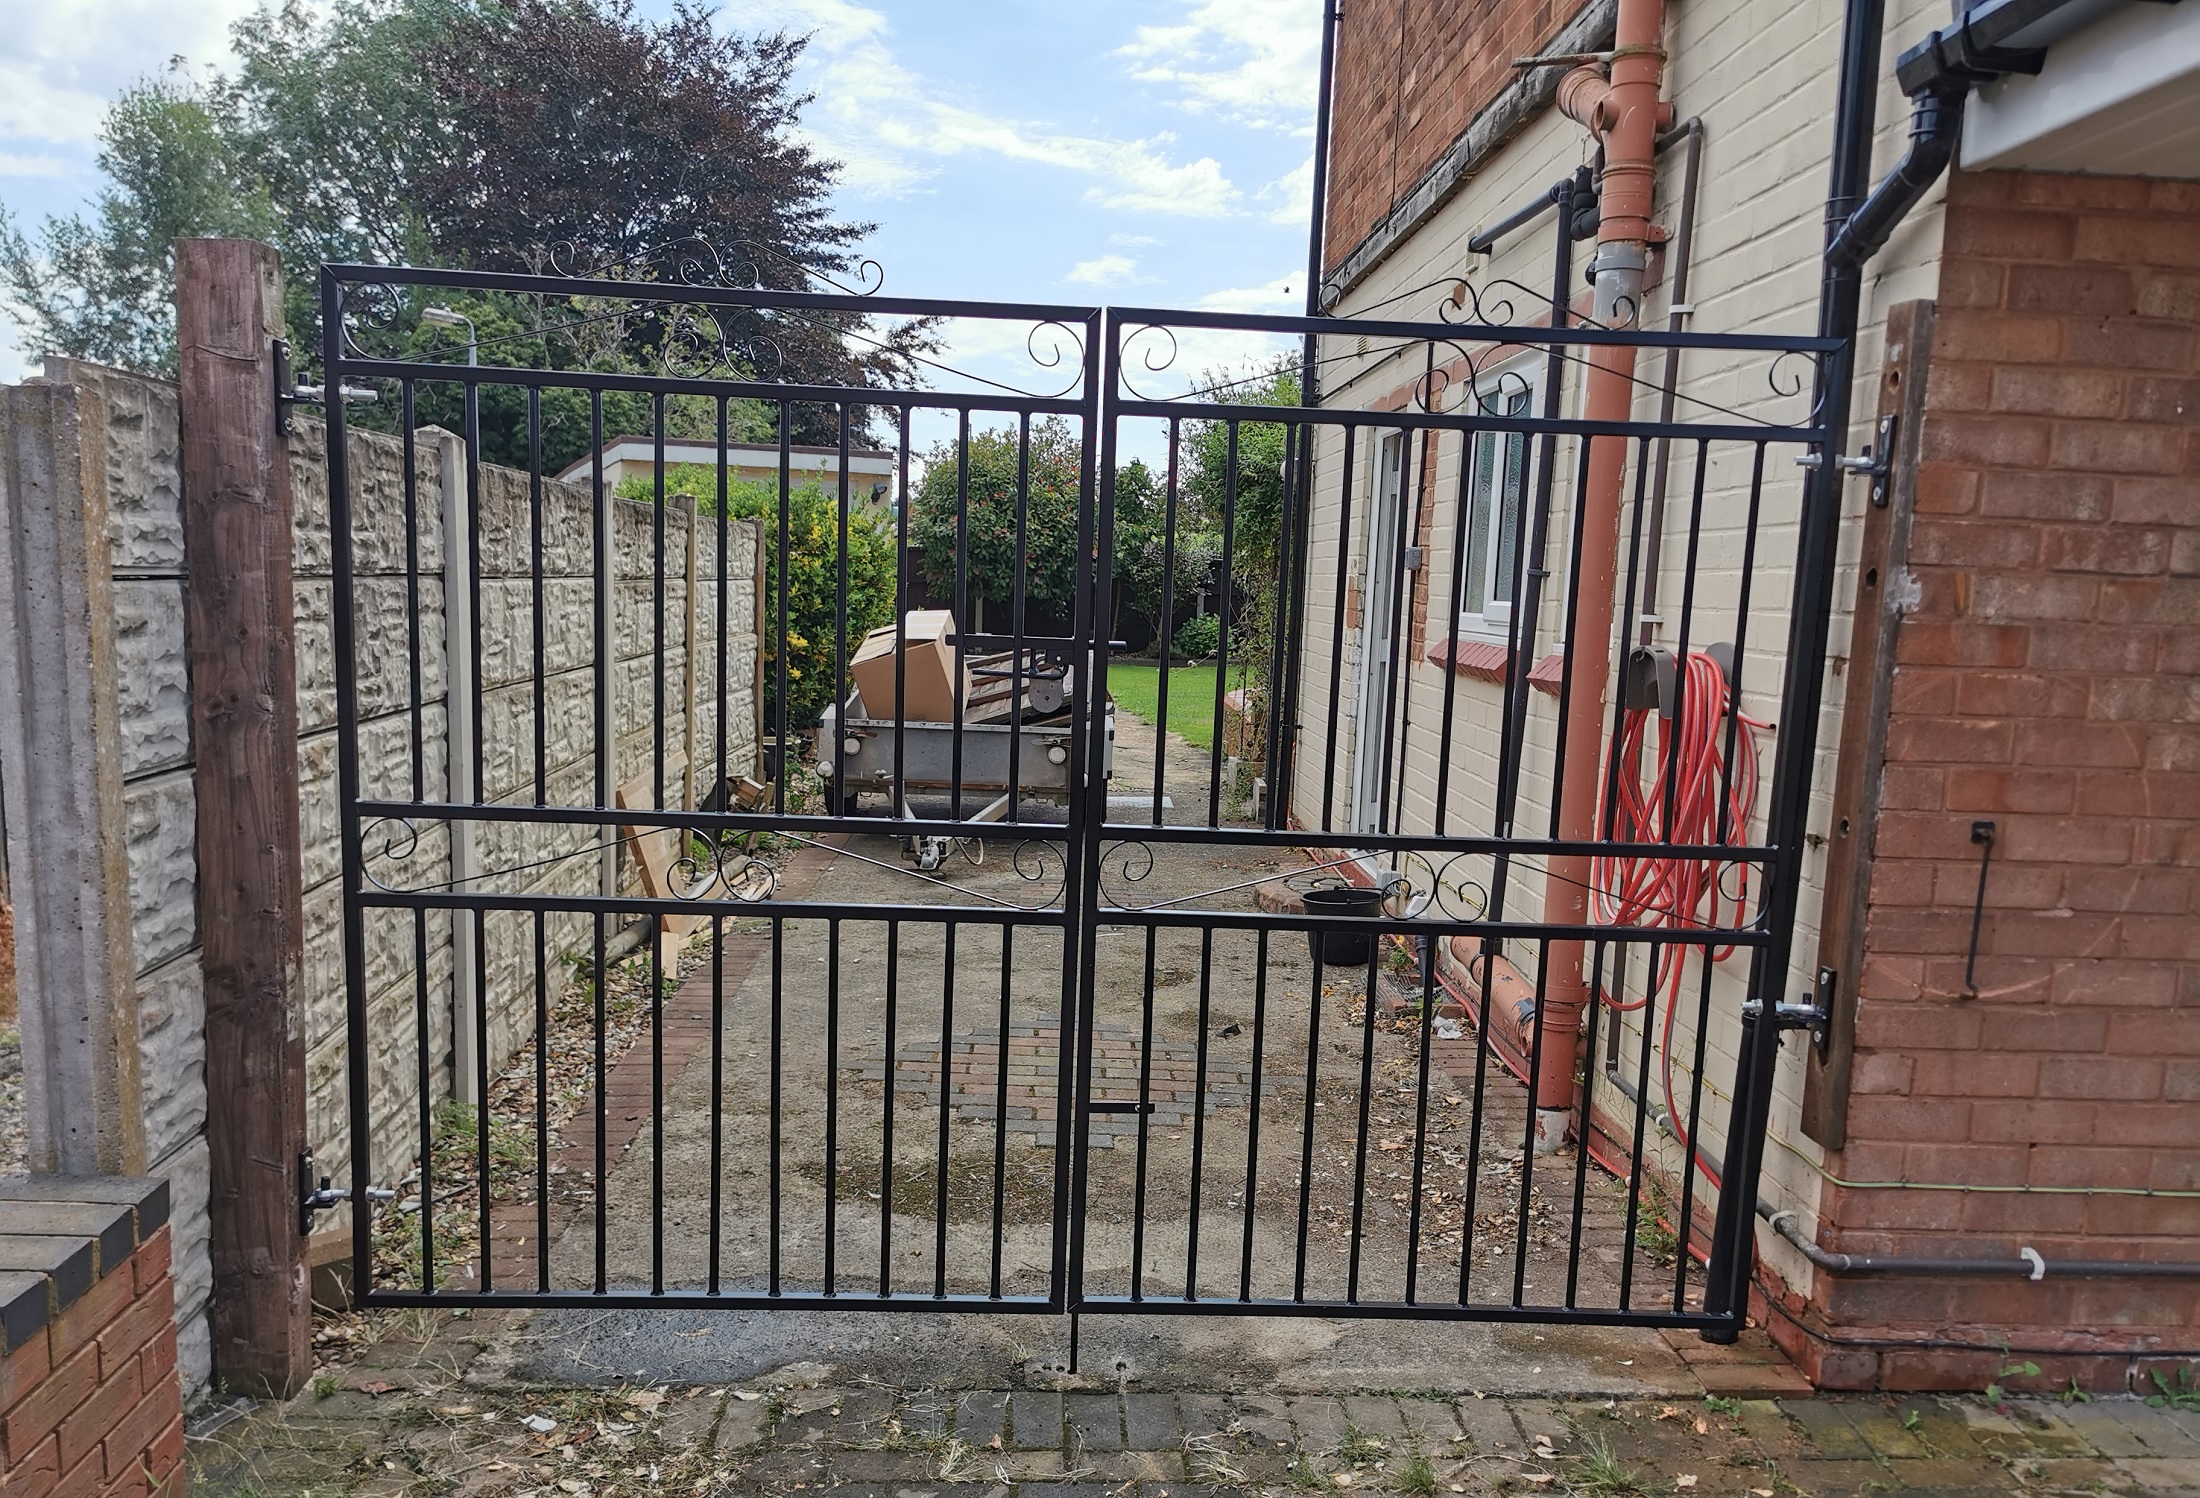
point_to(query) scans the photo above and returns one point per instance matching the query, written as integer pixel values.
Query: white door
(1378, 621)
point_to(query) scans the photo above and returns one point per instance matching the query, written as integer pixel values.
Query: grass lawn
(1136, 687)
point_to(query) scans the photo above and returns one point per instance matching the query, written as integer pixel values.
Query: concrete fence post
(244, 716)
(61, 773)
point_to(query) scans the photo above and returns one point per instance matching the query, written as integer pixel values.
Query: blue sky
(1143, 151)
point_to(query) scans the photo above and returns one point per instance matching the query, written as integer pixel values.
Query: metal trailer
(1038, 737)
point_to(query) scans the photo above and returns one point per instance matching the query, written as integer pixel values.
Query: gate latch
(1816, 1017)
(312, 1201)
(288, 393)
(1876, 462)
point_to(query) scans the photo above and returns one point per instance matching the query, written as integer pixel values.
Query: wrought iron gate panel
(1109, 1067)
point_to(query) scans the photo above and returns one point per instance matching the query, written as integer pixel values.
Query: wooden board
(244, 724)
(657, 850)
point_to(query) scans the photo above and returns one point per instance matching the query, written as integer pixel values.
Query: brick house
(2015, 684)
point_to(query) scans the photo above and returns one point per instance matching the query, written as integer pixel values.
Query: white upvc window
(1499, 468)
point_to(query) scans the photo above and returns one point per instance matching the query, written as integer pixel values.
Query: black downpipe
(1286, 708)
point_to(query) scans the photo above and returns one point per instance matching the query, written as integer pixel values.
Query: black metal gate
(778, 971)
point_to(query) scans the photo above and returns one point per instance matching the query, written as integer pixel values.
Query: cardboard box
(929, 677)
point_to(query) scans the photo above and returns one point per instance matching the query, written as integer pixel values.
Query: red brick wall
(2049, 681)
(1410, 76)
(91, 1405)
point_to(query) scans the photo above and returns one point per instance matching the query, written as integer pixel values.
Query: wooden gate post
(244, 716)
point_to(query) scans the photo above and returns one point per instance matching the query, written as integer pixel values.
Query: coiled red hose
(1694, 798)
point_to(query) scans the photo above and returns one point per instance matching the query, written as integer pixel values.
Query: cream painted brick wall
(1761, 76)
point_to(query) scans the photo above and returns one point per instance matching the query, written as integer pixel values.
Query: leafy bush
(811, 562)
(1199, 638)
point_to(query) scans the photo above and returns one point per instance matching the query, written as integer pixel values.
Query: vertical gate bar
(1199, 1110)
(717, 1050)
(886, 1125)
(542, 1103)
(1616, 735)
(1336, 644)
(1637, 1160)
(1016, 619)
(534, 519)
(1420, 1115)
(903, 592)
(1525, 624)
(780, 641)
(656, 944)
(1696, 1152)
(415, 696)
(1683, 643)
(657, 611)
(1359, 1147)
(1474, 1127)
(840, 627)
(719, 777)
(1582, 1163)
(478, 792)
(1145, 1119)
(947, 1114)
(1306, 1124)
(1297, 574)
(962, 611)
(1252, 1107)
(1396, 669)
(1223, 592)
(1284, 643)
(779, 1013)
(1168, 624)
(601, 578)
(1527, 1143)
(347, 775)
(602, 1111)
(832, 1096)
(1088, 806)
(1000, 1104)
(1459, 508)
(1741, 657)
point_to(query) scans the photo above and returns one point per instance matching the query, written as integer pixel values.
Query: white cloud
(882, 122)
(1105, 270)
(1292, 193)
(13, 165)
(1284, 294)
(62, 61)
(1257, 62)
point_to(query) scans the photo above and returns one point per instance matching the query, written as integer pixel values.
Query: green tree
(1144, 558)
(811, 562)
(1249, 493)
(103, 289)
(963, 515)
(564, 135)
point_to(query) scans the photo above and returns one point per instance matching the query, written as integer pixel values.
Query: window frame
(1521, 381)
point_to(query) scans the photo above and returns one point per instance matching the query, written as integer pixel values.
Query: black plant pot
(1341, 948)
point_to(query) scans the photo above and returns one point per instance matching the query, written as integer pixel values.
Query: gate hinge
(312, 1200)
(288, 393)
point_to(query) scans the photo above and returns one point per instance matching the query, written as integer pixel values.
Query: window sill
(1488, 660)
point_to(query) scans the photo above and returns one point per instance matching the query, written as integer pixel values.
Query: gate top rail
(706, 294)
(1473, 332)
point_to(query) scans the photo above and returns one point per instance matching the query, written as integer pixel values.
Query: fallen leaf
(1703, 1426)
(377, 1387)
(746, 1394)
(1685, 1480)
(1536, 1477)
(1760, 1493)
(1668, 1412)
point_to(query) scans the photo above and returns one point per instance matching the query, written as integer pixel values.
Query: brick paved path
(431, 1417)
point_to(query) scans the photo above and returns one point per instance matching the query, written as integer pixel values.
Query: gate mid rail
(1098, 1074)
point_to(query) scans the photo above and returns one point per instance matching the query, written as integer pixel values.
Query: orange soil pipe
(1624, 111)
